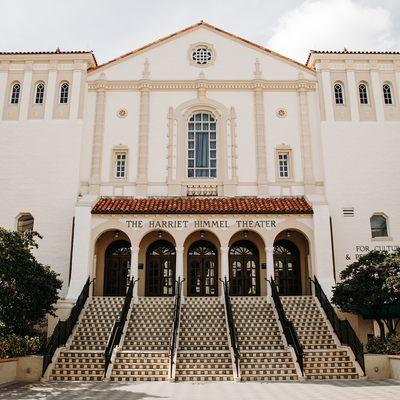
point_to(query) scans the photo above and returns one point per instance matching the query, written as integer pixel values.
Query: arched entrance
(202, 269)
(244, 271)
(116, 267)
(287, 268)
(160, 269)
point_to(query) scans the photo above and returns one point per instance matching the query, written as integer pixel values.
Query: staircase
(144, 354)
(83, 357)
(322, 357)
(263, 355)
(203, 353)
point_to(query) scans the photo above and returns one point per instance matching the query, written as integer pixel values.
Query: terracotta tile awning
(216, 205)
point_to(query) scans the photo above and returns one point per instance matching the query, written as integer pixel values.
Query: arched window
(202, 146)
(363, 93)
(64, 90)
(378, 226)
(387, 94)
(15, 93)
(25, 222)
(338, 89)
(39, 93)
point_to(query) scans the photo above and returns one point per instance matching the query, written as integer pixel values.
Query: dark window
(378, 226)
(338, 88)
(15, 93)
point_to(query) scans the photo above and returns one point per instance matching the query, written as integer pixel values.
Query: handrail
(288, 328)
(175, 324)
(231, 325)
(342, 328)
(63, 329)
(118, 326)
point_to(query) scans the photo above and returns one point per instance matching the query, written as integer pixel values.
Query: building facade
(200, 156)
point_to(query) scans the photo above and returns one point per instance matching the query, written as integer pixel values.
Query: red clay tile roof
(209, 205)
(349, 52)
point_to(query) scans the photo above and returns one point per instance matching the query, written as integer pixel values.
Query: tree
(370, 286)
(28, 289)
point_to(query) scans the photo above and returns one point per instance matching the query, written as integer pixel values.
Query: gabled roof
(213, 28)
(208, 205)
(351, 52)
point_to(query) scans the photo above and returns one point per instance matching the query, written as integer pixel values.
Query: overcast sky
(113, 27)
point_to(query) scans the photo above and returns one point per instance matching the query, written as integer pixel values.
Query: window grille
(283, 160)
(15, 93)
(202, 146)
(201, 55)
(363, 92)
(387, 94)
(339, 99)
(120, 165)
(64, 91)
(39, 93)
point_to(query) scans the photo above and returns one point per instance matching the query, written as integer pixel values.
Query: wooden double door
(287, 273)
(116, 268)
(244, 269)
(202, 266)
(160, 269)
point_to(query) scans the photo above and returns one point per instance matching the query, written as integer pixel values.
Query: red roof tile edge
(196, 205)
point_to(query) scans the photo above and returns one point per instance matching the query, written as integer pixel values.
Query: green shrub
(388, 345)
(18, 346)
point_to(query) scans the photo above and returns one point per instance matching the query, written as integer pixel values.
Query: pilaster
(26, 91)
(51, 91)
(306, 144)
(135, 268)
(377, 92)
(98, 136)
(3, 86)
(269, 251)
(75, 92)
(352, 88)
(142, 174)
(327, 93)
(260, 142)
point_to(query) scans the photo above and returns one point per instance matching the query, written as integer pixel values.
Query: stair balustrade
(342, 328)
(63, 329)
(231, 325)
(288, 328)
(175, 325)
(118, 326)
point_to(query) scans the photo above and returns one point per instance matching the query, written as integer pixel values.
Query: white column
(377, 94)
(134, 268)
(224, 263)
(26, 92)
(269, 251)
(51, 91)
(179, 262)
(179, 268)
(323, 264)
(327, 92)
(3, 86)
(75, 93)
(81, 248)
(353, 95)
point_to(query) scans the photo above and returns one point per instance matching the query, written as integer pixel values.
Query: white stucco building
(201, 155)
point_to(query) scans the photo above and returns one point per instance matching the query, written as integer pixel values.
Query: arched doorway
(116, 268)
(160, 269)
(202, 269)
(287, 268)
(244, 272)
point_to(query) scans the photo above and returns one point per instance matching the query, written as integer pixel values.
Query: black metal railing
(231, 325)
(63, 329)
(342, 328)
(175, 325)
(288, 328)
(118, 327)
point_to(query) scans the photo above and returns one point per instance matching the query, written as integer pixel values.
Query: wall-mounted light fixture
(160, 233)
(202, 234)
(245, 234)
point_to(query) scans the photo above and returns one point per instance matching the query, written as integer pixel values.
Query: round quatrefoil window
(202, 55)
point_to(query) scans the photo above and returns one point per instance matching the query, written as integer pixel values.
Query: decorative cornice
(302, 84)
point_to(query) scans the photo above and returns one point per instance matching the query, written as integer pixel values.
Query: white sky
(113, 27)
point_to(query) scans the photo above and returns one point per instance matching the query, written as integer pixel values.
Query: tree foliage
(371, 284)
(28, 289)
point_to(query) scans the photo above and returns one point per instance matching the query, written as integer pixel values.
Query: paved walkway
(334, 390)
